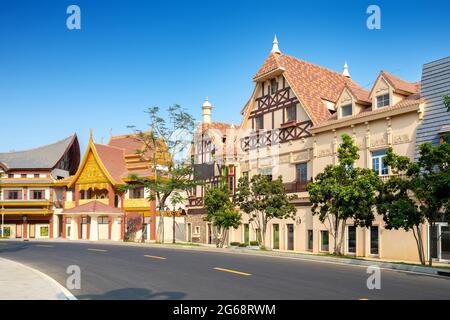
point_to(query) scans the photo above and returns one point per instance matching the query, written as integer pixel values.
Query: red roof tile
(93, 207)
(400, 84)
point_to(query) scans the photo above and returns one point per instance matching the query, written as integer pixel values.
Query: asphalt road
(111, 271)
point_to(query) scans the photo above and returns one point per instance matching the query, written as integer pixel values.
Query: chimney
(206, 111)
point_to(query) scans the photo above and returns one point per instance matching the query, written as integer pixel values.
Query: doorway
(441, 242)
(290, 236)
(246, 233)
(276, 236)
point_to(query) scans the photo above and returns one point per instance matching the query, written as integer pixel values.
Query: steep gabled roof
(361, 94)
(400, 84)
(45, 157)
(311, 83)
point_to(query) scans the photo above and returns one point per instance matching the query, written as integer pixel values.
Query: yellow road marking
(363, 299)
(45, 246)
(154, 257)
(99, 250)
(233, 271)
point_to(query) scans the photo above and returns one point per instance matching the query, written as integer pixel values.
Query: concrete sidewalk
(20, 282)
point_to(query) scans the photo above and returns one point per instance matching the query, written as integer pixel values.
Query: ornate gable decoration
(91, 174)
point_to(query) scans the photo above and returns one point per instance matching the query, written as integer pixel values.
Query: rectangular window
(37, 194)
(378, 162)
(273, 86)
(197, 230)
(103, 220)
(43, 231)
(291, 113)
(301, 172)
(346, 110)
(259, 122)
(13, 195)
(137, 193)
(23, 176)
(383, 100)
(374, 240)
(310, 239)
(351, 238)
(324, 244)
(266, 172)
(10, 176)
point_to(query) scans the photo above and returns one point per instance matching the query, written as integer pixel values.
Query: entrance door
(103, 228)
(209, 233)
(441, 242)
(276, 236)
(189, 237)
(32, 230)
(246, 233)
(18, 231)
(290, 237)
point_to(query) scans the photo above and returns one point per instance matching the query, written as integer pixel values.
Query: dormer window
(346, 110)
(383, 100)
(273, 86)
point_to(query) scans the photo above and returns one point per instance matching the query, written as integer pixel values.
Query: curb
(68, 295)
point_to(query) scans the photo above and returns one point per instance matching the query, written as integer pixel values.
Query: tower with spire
(206, 111)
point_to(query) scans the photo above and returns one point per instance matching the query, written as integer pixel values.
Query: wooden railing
(195, 201)
(296, 186)
(262, 138)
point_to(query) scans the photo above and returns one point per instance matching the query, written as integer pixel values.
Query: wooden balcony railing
(261, 138)
(296, 186)
(195, 201)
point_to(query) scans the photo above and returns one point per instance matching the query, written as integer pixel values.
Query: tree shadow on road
(133, 294)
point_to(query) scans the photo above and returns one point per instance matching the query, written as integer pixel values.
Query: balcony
(296, 186)
(288, 132)
(24, 203)
(137, 203)
(194, 201)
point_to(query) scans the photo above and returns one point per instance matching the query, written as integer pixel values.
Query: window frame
(303, 173)
(259, 122)
(381, 169)
(349, 105)
(322, 232)
(294, 113)
(383, 98)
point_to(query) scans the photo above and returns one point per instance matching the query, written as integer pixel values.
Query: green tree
(166, 141)
(263, 199)
(423, 195)
(447, 102)
(343, 192)
(221, 212)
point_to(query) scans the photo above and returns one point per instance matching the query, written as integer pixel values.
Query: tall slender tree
(263, 199)
(221, 212)
(342, 192)
(166, 141)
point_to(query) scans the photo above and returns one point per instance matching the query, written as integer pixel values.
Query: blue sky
(130, 55)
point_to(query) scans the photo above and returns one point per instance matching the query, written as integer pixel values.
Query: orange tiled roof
(414, 99)
(93, 207)
(311, 83)
(113, 158)
(400, 84)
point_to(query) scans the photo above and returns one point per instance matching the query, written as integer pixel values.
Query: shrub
(254, 243)
(242, 245)
(234, 244)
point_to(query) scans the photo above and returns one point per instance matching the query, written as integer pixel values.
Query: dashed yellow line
(45, 246)
(98, 250)
(154, 257)
(233, 271)
(363, 299)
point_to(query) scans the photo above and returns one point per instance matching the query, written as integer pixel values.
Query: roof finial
(90, 136)
(345, 72)
(275, 48)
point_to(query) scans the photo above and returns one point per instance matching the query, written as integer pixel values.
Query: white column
(94, 228)
(73, 228)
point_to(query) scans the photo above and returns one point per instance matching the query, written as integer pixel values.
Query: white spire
(275, 48)
(345, 72)
(206, 111)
